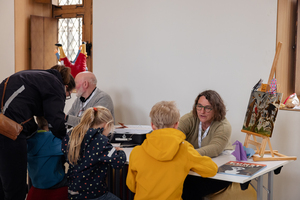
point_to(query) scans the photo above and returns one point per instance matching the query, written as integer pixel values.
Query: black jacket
(44, 95)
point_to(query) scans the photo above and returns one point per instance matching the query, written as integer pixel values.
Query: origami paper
(249, 152)
(239, 151)
(273, 87)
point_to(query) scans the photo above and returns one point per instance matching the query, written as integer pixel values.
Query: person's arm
(53, 106)
(131, 174)
(219, 138)
(112, 156)
(202, 165)
(72, 119)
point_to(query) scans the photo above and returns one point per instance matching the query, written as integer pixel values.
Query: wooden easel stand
(261, 148)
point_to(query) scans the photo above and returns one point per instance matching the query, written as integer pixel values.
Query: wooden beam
(58, 12)
(88, 31)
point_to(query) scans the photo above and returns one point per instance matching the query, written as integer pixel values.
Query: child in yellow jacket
(158, 167)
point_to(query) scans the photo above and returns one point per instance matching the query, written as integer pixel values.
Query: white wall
(148, 51)
(286, 140)
(7, 50)
(153, 50)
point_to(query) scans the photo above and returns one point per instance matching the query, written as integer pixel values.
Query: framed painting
(261, 112)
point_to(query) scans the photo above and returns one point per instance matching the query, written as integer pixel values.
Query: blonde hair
(164, 114)
(93, 116)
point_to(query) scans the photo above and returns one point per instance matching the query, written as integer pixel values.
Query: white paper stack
(134, 129)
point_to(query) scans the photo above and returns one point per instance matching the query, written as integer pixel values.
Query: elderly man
(88, 96)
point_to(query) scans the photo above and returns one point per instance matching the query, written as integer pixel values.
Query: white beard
(79, 92)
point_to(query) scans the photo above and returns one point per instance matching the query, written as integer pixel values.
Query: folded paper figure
(249, 152)
(239, 151)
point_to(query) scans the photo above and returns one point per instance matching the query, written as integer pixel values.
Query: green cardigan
(217, 139)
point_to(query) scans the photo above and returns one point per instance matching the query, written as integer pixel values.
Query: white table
(227, 156)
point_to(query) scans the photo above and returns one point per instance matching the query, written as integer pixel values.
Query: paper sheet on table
(134, 129)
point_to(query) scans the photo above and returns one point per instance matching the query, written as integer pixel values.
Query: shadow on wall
(125, 113)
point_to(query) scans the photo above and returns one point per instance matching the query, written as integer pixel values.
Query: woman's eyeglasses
(206, 108)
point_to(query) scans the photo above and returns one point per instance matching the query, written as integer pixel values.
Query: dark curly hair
(216, 102)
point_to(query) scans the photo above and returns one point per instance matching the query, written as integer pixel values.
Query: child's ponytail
(77, 136)
(91, 117)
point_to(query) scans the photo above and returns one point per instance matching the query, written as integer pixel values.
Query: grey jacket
(100, 98)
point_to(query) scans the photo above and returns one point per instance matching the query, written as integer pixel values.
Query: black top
(44, 95)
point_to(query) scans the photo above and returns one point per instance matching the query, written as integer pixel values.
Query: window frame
(84, 10)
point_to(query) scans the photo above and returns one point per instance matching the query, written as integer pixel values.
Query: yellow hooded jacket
(158, 168)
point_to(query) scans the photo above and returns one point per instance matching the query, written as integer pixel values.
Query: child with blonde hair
(89, 154)
(158, 167)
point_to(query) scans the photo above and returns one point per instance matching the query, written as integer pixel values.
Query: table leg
(270, 185)
(260, 188)
(124, 186)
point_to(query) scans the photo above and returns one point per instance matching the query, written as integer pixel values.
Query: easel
(260, 147)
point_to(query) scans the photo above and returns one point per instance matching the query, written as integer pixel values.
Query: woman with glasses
(206, 127)
(208, 130)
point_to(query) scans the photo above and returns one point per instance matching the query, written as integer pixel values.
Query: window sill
(289, 109)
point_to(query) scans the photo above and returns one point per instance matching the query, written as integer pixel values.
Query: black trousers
(196, 187)
(13, 168)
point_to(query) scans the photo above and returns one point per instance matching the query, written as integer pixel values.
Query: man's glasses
(206, 108)
(69, 95)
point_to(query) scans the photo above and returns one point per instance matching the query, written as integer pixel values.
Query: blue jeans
(107, 196)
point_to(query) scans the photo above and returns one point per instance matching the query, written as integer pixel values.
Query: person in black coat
(34, 93)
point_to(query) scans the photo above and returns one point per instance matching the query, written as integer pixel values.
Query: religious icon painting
(261, 112)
